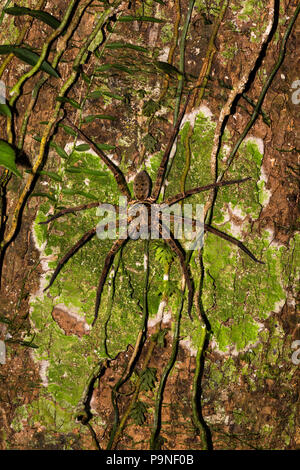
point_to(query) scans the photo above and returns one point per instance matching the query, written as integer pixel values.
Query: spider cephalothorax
(142, 193)
(142, 185)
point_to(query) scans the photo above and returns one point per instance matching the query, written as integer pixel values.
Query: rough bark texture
(56, 382)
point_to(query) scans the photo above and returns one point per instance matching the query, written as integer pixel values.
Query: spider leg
(178, 250)
(83, 240)
(234, 241)
(107, 264)
(69, 210)
(219, 233)
(180, 196)
(164, 161)
(118, 174)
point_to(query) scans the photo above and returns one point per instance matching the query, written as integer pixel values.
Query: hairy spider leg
(180, 196)
(69, 210)
(234, 241)
(117, 173)
(107, 264)
(164, 161)
(181, 255)
(83, 240)
(219, 233)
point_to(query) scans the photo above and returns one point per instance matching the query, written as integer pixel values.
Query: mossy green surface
(248, 347)
(70, 360)
(238, 294)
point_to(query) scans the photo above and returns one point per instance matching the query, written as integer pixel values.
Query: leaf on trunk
(39, 14)
(29, 57)
(8, 157)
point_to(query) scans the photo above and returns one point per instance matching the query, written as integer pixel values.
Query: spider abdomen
(142, 185)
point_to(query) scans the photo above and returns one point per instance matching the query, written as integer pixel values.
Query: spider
(148, 194)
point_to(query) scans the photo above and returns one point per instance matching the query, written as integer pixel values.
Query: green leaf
(163, 254)
(92, 117)
(103, 68)
(82, 147)
(29, 57)
(120, 67)
(92, 172)
(32, 58)
(8, 157)
(150, 143)
(168, 69)
(86, 78)
(6, 49)
(4, 320)
(125, 45)
(4, 109)
(113, 95)
(98, 93)
(88, 195)
(68, 129)
(149, 19)
(73, 169)
(38, 194)
(148, 378)
(51, 174)
(73, 192)
(60, 151)
(159, 337)
(150, 107)
(39, 14)
(95, 94)
(138, 412)
(105, 146)
(28, 344)
(72, 102)
(69, 192)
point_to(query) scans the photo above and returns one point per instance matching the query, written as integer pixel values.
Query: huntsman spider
(144, 193)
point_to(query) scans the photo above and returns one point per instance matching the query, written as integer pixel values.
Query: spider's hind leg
(234, 241)
(178, 250)
(107, 264)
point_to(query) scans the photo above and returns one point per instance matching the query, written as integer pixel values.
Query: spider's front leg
(199, 189)
(83, 240)
(70, 210)
(164, 161)
(117, 173)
